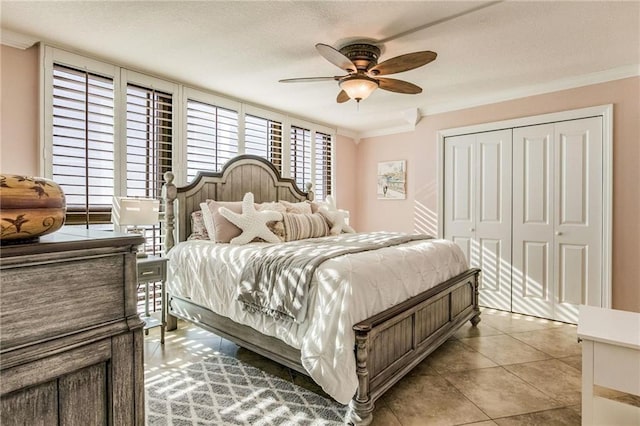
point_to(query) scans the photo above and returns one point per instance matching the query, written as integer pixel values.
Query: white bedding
(345, 290)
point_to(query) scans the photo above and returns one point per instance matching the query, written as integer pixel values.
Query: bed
(386, 344)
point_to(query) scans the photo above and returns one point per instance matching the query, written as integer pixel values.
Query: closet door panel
(493, 217)
(459, 202)
(578, 215)
(533, 251)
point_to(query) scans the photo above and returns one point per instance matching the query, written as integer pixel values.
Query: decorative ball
(30, 207)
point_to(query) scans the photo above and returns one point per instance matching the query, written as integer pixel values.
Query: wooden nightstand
(152, 269)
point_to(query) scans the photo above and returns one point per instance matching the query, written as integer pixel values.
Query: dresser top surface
(70, 238)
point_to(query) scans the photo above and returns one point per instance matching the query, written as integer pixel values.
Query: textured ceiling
(241, 49)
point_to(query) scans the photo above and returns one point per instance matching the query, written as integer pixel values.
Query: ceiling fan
(360, 61)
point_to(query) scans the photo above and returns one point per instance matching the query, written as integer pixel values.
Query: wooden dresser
(71, 346)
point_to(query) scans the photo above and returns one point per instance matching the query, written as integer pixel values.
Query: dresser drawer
(150, 271)
(44, 300)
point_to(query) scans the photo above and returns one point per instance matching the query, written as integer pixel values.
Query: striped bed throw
(275, 280)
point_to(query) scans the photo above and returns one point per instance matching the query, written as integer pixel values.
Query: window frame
(189, 93)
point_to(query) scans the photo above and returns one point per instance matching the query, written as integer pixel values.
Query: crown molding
(403, 128)
(17, 40)
(625, 71)
(355, 136)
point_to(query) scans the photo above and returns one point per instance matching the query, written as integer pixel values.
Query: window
(83, 143)
(263, 137)
(323, 170)
(212, 137)
(149, 147)
(112, 131)
(301, 156)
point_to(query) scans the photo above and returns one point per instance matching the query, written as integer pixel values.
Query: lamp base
(141, 249)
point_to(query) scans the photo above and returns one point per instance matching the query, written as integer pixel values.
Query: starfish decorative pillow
(336, 218)
(253, 223)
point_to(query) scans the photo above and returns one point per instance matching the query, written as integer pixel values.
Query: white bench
(610, 358)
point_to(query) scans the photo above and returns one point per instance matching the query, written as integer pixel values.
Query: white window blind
(149, 147)
(323, 169)
(301, 156)
(263, 137)
(82, 143)
(212, 137)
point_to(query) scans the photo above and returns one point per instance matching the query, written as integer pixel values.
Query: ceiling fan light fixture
(359, 87)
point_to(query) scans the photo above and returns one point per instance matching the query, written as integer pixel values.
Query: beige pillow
(297, 208)
(218, 227)
(303, 226)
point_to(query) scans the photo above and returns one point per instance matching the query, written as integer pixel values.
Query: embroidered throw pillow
(302, 226)
(302, 207)
(198, 228)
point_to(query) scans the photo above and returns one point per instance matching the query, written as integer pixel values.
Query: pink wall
(19, 111)
(419, 210)
(345, 175)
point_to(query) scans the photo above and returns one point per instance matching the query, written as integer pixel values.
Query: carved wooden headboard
(242, 174)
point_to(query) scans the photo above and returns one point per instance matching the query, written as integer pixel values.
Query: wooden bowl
(30, 207)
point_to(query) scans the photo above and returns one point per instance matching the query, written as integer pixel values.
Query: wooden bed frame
(388, 345)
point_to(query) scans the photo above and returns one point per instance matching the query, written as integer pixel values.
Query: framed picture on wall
(392, 177)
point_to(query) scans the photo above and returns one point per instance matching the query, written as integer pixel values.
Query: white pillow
(253, 223)
(336, 218)
(302, 207)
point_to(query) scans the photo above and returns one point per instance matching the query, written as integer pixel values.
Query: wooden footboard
(393, 342)
(388, 345)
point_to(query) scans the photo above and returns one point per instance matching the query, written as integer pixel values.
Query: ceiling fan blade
(309, 79)
(335, 57)
(403, 63)
(342, 97)
(399, 86)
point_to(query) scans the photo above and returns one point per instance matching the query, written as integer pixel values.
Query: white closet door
(478, 208)
(578, 216)
(533, 249)
(557, 218)
(459, 193)
(493, 217)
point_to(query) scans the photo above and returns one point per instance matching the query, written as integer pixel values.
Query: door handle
(471, 229)
(558, 233)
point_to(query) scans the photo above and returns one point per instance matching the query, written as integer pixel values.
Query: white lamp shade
(135, 211)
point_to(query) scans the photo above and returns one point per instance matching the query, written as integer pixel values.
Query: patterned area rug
(222, 390)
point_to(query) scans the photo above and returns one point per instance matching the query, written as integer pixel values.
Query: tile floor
(510, 370)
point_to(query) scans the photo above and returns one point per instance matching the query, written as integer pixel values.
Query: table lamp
(135, 212)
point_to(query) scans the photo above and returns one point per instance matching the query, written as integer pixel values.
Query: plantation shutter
(263, 137)
(82, 145)
(149, 147)
(322, 184)
(212, 137)
(301, 156)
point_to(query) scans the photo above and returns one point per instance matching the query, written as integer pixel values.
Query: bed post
(310, 195)
(169, 194)
(476, 298)
(361, 405)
